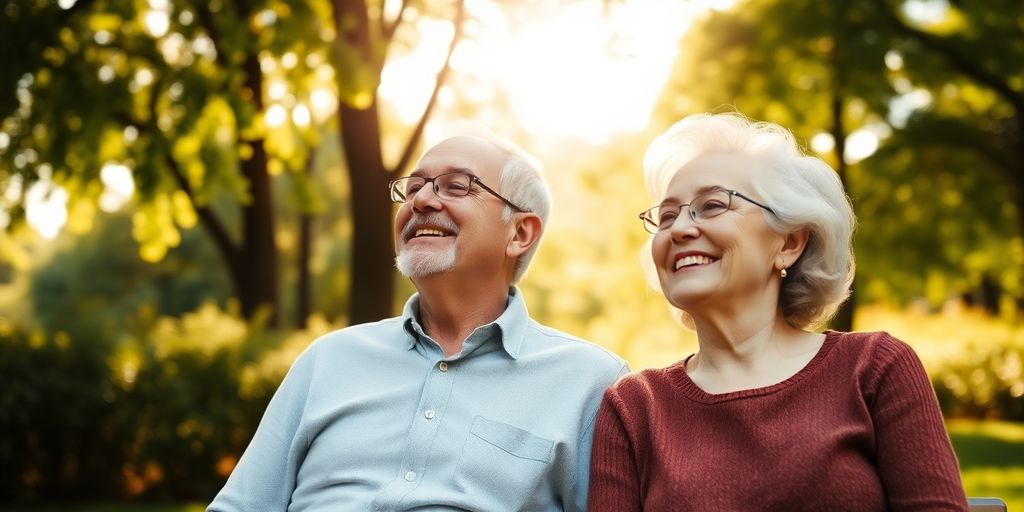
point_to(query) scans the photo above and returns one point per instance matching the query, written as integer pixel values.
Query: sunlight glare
(903, 106)
(276, 89)
(926, 12)
(586, 69)
(46, 208)
(893, 60)
(157, 23)
(860, 144)
(13, 191)
(276, 115)
(408, 80)
(300, 115)
(823, 143)
(118, 186)
(588, 73)
(324, 104)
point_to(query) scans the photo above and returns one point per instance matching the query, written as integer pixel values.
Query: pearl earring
(782, 272)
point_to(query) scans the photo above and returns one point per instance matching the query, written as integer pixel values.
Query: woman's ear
(792, 248)
(527, 232)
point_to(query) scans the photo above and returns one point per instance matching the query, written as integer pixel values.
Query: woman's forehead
(724, 170)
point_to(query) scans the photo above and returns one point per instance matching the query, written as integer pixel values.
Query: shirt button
(428, 414)
(410, 476)
(443, 366)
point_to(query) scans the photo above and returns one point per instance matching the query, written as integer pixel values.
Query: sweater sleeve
(579, 488)
(265, 476)
(916, 462)
(614, 478)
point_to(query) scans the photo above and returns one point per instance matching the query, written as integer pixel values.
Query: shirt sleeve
(916, 461)
(614, 481)
(582, 476)
(265, 476)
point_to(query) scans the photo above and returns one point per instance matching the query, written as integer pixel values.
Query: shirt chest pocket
(504, 463)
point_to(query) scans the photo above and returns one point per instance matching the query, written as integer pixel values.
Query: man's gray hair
(523, 183)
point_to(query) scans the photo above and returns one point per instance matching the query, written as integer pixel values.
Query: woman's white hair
(804, 191)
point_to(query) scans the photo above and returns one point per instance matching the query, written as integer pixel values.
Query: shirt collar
(512, 324)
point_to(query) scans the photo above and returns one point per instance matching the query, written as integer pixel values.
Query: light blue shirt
(375, 417)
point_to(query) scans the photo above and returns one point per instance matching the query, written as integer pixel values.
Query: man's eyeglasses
(452, 185)
(703, 207)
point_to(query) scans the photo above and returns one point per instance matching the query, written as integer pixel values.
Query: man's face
(435, 235)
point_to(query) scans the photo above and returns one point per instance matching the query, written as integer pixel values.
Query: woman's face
(727, 262)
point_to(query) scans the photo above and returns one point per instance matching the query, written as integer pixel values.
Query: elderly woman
(752, 243)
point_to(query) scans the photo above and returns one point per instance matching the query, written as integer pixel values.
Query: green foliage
(93, 287)
(181, 93)
(991, 458)
(55, 391)
(163, 412)
(976, 362)
(940, 202)
(987, 381)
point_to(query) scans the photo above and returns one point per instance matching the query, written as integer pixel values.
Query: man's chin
(424, 263)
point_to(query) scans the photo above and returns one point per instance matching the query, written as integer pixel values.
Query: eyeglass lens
(702, 207)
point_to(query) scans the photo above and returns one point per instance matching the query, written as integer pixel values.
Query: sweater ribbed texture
(858, 429)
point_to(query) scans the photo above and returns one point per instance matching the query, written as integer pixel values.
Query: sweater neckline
(679, 377)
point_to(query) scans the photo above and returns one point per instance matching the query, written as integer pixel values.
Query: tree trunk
(372, 276)
(256, 261)
(303, 293)
(371, 291)
(843, 321)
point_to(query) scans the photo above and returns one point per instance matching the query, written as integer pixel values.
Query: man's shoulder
(548, 338)
(382, 333)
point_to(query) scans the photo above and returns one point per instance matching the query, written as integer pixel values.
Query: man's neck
(449, 314)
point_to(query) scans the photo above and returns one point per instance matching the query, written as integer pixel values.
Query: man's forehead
(465, 153)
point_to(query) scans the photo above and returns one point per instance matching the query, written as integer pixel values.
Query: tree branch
(960, 62)
(388, 29)
(206, 20)
(206, 215)
(947, 132)
(417, 133)
(213, 224)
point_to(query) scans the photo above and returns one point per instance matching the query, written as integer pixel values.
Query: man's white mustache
(435, 220)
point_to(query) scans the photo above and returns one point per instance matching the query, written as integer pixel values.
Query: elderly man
(461, 403)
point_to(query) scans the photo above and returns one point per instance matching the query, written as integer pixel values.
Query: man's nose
(426, 198)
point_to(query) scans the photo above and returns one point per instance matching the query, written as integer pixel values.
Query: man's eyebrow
(421, 172)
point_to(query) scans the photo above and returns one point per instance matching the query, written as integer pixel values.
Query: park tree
(847, 78)
(962, 65)
(208, 104)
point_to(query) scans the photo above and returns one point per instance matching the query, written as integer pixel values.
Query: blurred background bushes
(974, 359)
(163, 412)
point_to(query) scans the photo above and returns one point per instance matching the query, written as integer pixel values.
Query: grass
(991, 457)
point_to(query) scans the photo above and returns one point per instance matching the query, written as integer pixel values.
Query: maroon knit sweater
(857, 429)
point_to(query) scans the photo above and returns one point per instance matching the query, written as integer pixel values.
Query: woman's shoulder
(876, 343)
(648, 383)
(876, 352)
